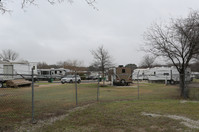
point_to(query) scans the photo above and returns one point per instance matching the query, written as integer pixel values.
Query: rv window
(45, 72)
(123, 71)
(166, 74)
(55, 72)
(154, 73)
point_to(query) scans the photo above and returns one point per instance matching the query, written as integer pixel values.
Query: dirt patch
(6, 110)
(26, 126)
(184, 120)
(187, 101)
(49, 85)
(42, 86)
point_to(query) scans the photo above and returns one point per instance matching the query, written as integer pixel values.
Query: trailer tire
(78, 81)
(1, 84)
(172, 82)
(123, 82)
(71, 81)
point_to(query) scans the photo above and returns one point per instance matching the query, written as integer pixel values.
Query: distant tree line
(74, 65)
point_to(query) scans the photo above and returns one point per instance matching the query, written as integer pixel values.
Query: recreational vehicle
(169, 74)
(140, 74)
(195, 75)
(120, 75)
(46, 74)
(16, 70)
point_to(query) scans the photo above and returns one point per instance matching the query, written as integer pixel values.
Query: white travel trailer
(169, 74)
(195, 75)
(16, 70)
(140, 74)
(46, 74)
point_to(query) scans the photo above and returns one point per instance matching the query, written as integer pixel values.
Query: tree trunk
(183, 88)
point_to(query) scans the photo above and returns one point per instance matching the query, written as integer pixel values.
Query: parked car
(70, 79)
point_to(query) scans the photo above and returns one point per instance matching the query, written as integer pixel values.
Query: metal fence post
(138, 84)
(76, 87)
(33, 119)
(98, 89)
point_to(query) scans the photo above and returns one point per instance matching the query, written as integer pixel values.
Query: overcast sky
(69, 31)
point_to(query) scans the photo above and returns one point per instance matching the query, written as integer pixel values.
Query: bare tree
(132, 66)
(42, 65)
(74, 65)
(102, 59)
(178, 42)
(147, 61)
(9, 55)
(3, 3)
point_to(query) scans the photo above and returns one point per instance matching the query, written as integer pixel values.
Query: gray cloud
(64, 31)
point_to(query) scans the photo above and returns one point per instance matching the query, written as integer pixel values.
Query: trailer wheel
(78, 81)
(1, 84)
(172, 82)
(71, 81)
(123, 82)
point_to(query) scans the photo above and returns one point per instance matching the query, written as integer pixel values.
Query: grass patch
(124, 115)
(196, 80)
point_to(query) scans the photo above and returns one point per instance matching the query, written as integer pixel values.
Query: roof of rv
(16, 62)
(8, 62)
(143, 69)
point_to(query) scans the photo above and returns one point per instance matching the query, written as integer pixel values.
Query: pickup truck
(70, 79)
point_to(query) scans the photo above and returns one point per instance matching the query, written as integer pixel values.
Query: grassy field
(118, 110)
(126, 116)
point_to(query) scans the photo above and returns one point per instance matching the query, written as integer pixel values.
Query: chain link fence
(41, 100)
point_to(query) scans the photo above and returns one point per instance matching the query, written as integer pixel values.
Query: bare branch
(3, 8)
(179, 42)
(9, 55)
(147, 61)
(101, 58)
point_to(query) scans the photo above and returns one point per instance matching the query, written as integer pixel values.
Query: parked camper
(140, 74)
(158, 74)
(169, 74)
(46, 74)
(120, 75)
(16, 70)
(93, 75)
(195, 75)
